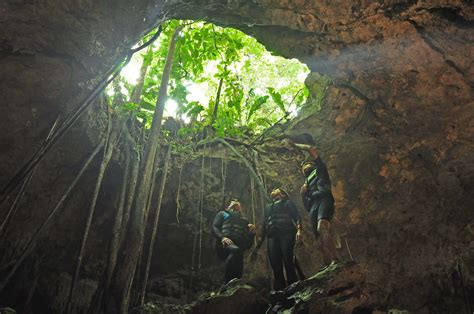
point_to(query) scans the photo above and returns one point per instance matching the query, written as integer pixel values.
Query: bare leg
(328, 245)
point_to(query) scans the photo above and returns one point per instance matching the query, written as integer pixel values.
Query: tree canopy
(221, 77)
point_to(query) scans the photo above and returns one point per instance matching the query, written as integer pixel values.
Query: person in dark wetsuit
(281, 226)
(319, 201)
(234, 235)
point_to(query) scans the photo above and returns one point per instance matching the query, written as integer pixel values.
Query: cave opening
(221, 78)
(394, 124)
(224, 95)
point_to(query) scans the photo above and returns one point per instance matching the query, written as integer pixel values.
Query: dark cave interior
(395, 128)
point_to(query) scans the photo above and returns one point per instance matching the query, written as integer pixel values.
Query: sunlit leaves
(256, 104)
(276, 96)
(258, 89)
(193, 109)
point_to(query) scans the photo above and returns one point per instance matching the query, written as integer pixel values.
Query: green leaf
(195, 109)
(256, 105)
(276, 96)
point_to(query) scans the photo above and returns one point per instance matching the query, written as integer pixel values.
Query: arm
(296, 218)
(217, 226)
(294, 213)
(321, 168)
(250, 238)
(310, 149)
(303, 191)
(263, 233)
(324, 183)
(322, 191)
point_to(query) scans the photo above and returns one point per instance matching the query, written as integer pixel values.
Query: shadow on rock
(236, 299)
(340, 288)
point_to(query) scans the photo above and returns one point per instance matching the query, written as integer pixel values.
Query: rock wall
(396, 127)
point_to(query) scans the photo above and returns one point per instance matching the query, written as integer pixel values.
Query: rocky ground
(340, 288)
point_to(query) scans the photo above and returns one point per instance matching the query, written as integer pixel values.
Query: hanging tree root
(260, 184)
(117, 300)
(132, 185)
(137, 280)
(12, 210)
(201, 201)
(112, 139)
(156, 168)
(118, 224)
(31, 244)
(96, 304)
(178, 194)
(69, 122)
(155, 226)
(230, 140)
(193, 256)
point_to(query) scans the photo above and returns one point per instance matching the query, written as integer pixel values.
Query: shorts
(322, 209)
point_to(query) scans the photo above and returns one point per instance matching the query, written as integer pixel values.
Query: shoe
(229, 284)
(233, 282)
(324, 268)
(276, 295)
(332, 264)
(222, 289)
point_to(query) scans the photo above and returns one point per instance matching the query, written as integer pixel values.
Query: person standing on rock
(282, 227)
(234, 235)
(318, 201)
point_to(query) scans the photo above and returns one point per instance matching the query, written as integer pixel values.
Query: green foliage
(317, 85)
(258, 88)
(276, 96)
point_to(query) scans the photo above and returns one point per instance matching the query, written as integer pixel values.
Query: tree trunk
(132, 185)
(218, 96)
(126, 196)
(135, 297)
(97, 301)
(155, 227)
(118, 297)
(118, 224)
(137, 92)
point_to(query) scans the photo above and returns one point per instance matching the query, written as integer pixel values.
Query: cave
(395, 127)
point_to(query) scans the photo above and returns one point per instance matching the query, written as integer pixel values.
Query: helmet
(233, 203)
(284, 192)
(307, 162)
